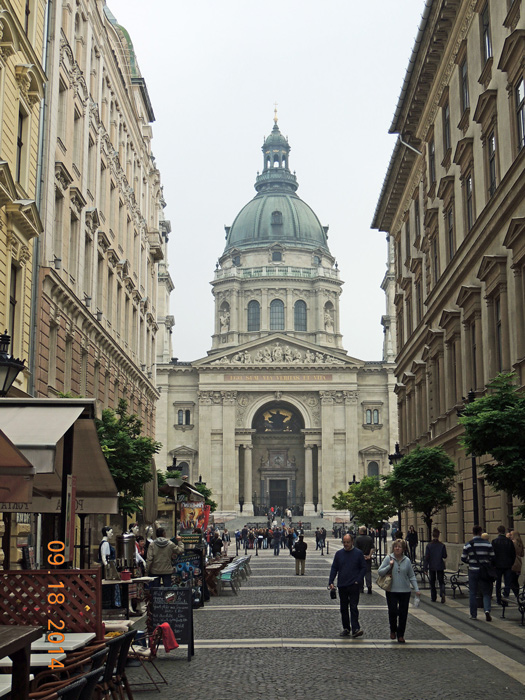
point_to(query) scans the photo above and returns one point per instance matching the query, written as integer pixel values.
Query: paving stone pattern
(303, 657)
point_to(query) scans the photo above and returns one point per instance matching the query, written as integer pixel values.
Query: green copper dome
(276, 214)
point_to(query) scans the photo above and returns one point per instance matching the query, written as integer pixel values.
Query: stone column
(520, 315)
(480, 382)
(289, 311)
(230, 485)
(248, 483)
(308, 480)
(205, 468)
(326, 472)
(352, 437)
(265, 321)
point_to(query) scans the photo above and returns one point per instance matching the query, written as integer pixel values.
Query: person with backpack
(434, 564)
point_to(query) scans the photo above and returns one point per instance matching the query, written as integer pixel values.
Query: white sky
(214, 69)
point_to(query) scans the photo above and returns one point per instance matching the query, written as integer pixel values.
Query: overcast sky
(214, 69)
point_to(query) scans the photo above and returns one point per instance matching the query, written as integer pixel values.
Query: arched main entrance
(278, 458)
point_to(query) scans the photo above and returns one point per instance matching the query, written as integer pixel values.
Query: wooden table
(72, 642)
(15, 642)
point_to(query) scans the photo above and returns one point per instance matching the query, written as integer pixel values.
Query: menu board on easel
(174, 606)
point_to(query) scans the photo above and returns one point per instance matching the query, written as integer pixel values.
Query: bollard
(328, 548)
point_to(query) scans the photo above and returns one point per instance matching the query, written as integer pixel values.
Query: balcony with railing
(276, 271)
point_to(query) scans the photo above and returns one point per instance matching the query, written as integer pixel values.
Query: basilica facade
(277, 413)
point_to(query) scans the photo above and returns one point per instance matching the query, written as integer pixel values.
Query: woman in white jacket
(398, 597)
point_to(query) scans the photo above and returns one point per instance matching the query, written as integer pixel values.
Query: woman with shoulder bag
(398, 597)
(518, 562)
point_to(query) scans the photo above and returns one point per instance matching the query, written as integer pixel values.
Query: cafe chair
(147, 655)
(70, 691)
(119, 679)
(105, 686)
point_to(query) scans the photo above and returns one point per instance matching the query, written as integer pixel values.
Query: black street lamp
(471, 397)
(173, 466)
(241, 502)
(9, 366)
(393, 459)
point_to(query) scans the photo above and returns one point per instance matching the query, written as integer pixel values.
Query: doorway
(278, 493)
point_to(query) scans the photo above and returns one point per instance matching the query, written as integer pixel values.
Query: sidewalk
(279, 638)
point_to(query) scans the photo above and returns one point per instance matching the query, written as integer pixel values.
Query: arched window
(300, 315)
(180, 417)
(184, 469)
(368, 416)
(277, 315)
(277, 218)
(376, 416)
(373, 469)
(187, 416)
(277, 256)
(254, 316)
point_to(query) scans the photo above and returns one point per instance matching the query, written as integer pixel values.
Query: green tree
(424, 480)
(368, 502)
(128, 454)
(495, 425)
(206, 492)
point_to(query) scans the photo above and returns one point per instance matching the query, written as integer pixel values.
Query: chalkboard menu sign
(174, 606)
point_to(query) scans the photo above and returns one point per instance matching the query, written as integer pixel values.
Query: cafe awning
(16, 471)
(37, 427)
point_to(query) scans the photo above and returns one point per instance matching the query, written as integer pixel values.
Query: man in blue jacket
(350, 567)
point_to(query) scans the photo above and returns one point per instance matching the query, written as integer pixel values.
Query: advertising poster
(188, 572)
(194, 514)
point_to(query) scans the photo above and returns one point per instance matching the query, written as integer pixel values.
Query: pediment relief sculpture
(278, 354)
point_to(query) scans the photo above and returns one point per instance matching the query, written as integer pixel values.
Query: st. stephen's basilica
(278, 413)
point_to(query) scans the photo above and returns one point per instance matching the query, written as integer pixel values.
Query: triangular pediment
(278, 350)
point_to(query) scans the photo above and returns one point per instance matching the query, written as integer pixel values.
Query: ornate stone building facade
(22, 82)
(104, 234)
(277, 413)
(453, 207)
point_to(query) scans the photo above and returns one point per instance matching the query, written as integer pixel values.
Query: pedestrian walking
(398, 597)
(349, 567)
(299, 550)
(504, 556)
(160, 554)
(518, 561)
(216, 545)
(412, 542)
(366, 544)
(434, 564)
(479, 555)
(226, 539)
(276, 541)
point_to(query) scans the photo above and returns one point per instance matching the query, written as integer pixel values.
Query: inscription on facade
(278, 377)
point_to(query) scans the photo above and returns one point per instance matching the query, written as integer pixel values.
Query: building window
(473, 353)
(447, 143)
(368, 416)
(183, 417)
(236, 260)
(435, 259)
(497, 325)
(375, 416)
(254, 316)
(277, 256)
(417, 219)
(20, 143)
(180, 417)
(432, 162)
(277, 315)
(277, 218)
(520, 112)
(485, 31)
(451, 239)
(373, 469)
(13, 294)
(469, 201)
(407, 238)
(300, 315)
(419, 301)
(491, 152)
(465, 99)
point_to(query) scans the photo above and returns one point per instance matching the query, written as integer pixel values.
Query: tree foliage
(206, 492)
(424, 480)
(128, 454)
(495, 425)
(368, 502)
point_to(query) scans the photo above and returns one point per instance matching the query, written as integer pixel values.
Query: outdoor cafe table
(15, 642)
(72, 641)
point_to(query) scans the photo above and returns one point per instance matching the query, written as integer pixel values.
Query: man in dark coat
(366, 544)
(505, 555)
(300, 548)
(349, 566)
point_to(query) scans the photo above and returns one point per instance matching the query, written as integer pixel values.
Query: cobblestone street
(279, 637)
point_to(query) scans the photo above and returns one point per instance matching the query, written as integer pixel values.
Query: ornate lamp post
(471, 397)
(393, 459)
(9, 366)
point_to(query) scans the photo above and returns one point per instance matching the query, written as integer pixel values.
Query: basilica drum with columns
(278, 413)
